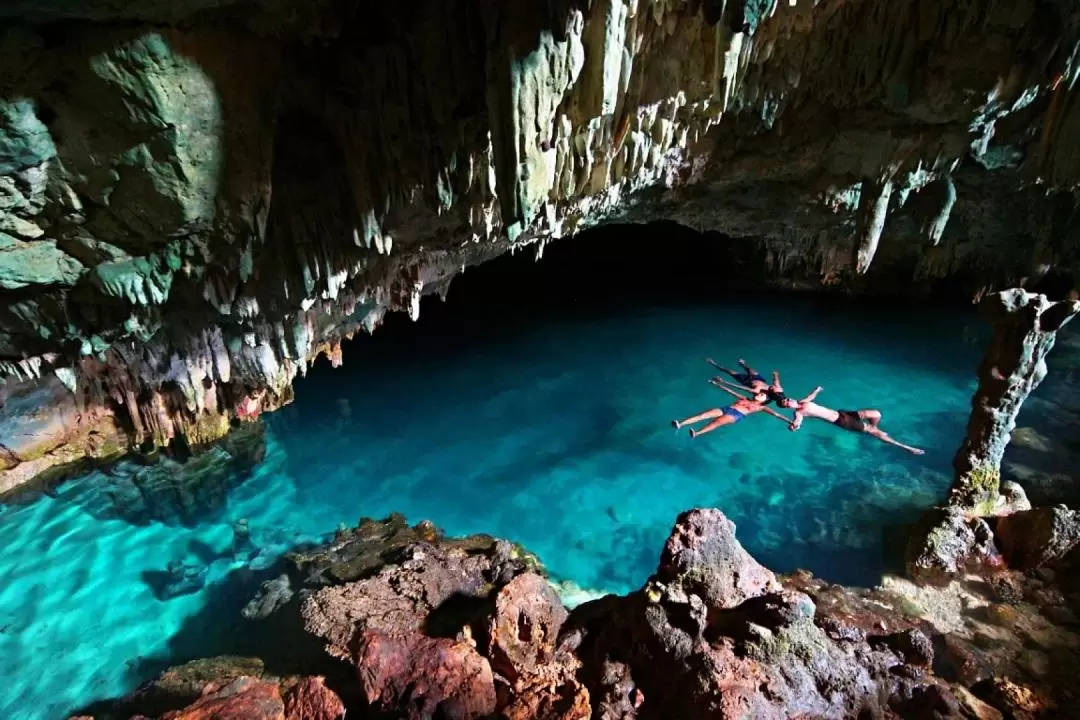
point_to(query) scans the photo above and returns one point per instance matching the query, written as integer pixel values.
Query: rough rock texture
(191, 213)
(1025, 328)
(948, 543)
(448, 628)
(229, 688)
(1039, 537)
(411, 628)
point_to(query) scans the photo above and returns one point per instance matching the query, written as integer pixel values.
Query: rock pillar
(1025, 328)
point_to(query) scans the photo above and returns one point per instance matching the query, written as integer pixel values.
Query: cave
(388, 359)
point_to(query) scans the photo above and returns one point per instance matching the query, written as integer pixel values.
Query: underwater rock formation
(1025, 328)
(190, 214)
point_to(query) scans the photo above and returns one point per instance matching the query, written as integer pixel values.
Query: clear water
(553, 431)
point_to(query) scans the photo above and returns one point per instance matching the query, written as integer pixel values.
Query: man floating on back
(865, 421)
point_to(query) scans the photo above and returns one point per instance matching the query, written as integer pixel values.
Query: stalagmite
(873, 208)
(1025, 329)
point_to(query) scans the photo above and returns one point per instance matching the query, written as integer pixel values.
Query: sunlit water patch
(554, 433)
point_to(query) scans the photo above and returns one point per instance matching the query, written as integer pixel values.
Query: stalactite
(873, 210)
(944, 191)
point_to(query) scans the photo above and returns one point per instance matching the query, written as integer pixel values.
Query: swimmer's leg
(723, 369)
(717, 423)
(885, 437)
(707, 415)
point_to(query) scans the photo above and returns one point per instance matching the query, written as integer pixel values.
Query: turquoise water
(552, 430)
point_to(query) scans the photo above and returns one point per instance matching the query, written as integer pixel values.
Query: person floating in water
(729, 415)
(865, 421)
(753, 380)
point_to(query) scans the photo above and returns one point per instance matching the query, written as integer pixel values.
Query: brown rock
(973, 707)
(242, 699)
(1018, 701)
(1038, 537)
(422, 677)
(568, 701)
(522, 634)
(704, 558)
(182, 685)
(310, 699)
(400, 600)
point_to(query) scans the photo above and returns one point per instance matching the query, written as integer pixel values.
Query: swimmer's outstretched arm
(776, 380)
(746, 367)
(811, 396)
(797, 422)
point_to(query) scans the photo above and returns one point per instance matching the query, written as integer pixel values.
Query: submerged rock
(171, 491)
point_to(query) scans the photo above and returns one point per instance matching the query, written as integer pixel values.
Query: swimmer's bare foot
(675, 424)
(917, 451)
(693, 433)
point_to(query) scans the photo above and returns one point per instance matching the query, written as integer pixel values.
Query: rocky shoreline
(416, 625)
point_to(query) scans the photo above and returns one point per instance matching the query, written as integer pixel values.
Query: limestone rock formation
(947, 543)
(1025, 328)
(1039, 537)
(192, 212)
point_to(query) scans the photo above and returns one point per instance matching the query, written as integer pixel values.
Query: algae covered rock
(946, 543)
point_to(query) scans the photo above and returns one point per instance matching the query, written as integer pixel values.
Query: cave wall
(197, 198)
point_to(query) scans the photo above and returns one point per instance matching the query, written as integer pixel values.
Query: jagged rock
(946, 543)
(765, 657)
(522, 634)
(35, 263)
(424, 677)
(229, 688)
(24, 140)
(272, 595)
(309, 699)
(1038, 537)
(1019, 702)
(703, 558)
(1025, 329)
(400, 598)
(243, 699)
(183, 685)
(521, 646)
